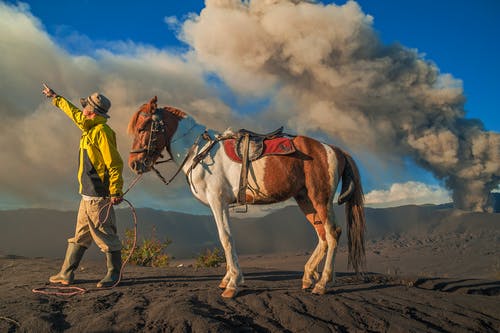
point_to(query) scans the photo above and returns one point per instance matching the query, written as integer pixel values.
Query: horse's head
(152, 129)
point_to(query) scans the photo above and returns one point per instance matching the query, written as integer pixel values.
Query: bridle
(157, 129)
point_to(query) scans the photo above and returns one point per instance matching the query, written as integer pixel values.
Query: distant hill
(43, 232)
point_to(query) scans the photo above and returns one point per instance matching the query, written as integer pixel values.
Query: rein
(195, 144)
(196, 159)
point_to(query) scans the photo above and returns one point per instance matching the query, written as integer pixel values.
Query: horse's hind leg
(332, 234)
(311, 267)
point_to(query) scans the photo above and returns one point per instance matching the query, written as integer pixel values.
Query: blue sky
(459, 37)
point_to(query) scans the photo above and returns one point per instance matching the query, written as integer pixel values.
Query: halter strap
(157, 125)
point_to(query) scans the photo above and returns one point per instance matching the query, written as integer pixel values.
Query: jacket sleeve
(106, 141)
(71, 111)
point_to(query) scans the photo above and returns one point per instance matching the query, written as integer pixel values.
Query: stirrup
(241, 208)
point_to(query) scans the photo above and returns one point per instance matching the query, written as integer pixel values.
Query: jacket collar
(89, 123)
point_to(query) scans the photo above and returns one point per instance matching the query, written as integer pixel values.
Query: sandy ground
(410, 287)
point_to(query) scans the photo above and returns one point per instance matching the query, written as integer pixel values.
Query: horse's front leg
(233, 275)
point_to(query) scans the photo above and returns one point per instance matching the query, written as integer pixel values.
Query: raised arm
(62, 103)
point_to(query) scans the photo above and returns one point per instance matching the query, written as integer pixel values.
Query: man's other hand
(116, 200)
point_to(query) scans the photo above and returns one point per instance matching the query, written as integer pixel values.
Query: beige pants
(90, 225)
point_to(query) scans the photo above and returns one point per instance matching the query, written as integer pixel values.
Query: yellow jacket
(100, 165)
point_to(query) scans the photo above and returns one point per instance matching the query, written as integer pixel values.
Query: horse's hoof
(229, 293)
(306, 285)
(318, 290)
(223, 285)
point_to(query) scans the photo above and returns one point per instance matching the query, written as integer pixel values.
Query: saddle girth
(242, 189)
(249, 146)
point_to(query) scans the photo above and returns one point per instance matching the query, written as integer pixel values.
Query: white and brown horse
(310, 175)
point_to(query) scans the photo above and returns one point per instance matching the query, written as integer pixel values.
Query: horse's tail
(352, 195)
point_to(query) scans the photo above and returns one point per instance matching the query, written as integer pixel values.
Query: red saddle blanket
(277, 146)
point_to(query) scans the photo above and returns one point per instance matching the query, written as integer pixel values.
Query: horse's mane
(179, 114)
(133, 121)
(175, 111)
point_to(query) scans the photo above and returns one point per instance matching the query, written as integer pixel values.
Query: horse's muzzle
(138, 167)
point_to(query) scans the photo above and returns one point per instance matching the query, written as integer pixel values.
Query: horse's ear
(152, 104)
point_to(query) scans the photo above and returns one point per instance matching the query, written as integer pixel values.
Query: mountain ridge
(43, 232)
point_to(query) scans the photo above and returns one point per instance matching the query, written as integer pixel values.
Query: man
(100, 177)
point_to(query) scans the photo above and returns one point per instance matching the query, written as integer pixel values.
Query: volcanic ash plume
(324, 68)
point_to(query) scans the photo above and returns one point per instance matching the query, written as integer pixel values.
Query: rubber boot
(74, 254)
(114, 264)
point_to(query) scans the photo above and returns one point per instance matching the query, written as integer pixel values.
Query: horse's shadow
(272, 276)
(132, 281)
(267, 276)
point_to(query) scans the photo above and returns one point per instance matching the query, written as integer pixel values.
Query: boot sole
(105, 285)
(63, 282)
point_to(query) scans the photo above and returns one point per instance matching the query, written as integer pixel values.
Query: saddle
(270, 135)
(253, 142)
(259, 145)
(246, 146)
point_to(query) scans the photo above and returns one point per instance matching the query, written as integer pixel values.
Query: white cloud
(409, 193)
(172, 21)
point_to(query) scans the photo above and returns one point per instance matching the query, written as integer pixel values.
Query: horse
(310, 175)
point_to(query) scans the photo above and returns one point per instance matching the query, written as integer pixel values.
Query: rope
(132, 184)
(10, 320)
(63, 291)
(71, 291)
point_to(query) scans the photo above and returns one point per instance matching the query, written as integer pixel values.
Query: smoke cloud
(321, 68)
(324, 68)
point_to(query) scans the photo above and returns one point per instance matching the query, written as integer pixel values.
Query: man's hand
(116, 200)
(48, 92)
